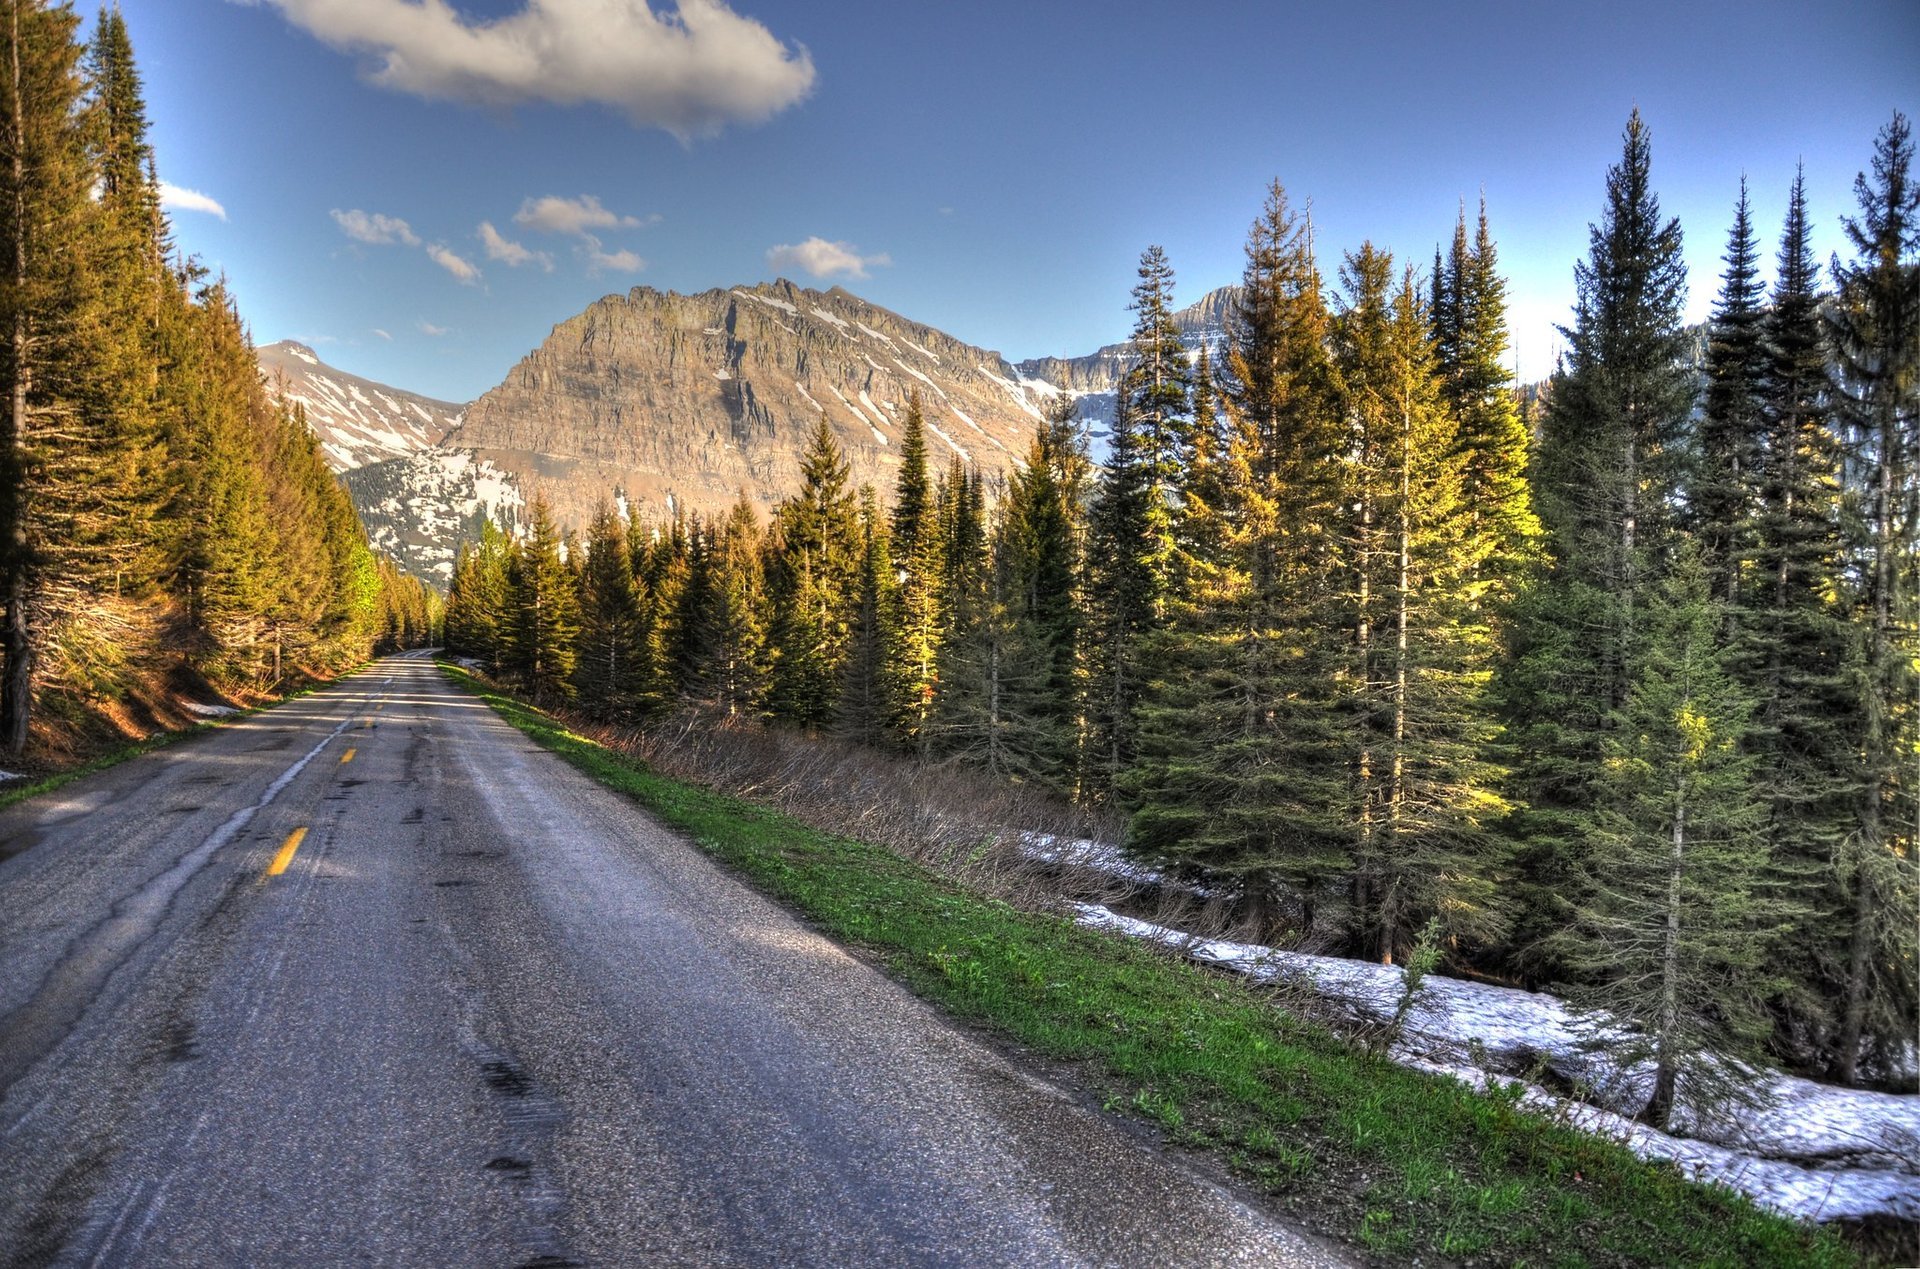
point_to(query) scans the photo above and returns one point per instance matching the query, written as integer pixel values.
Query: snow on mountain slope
(359, 422)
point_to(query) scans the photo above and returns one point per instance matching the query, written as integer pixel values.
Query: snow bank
(11, 775)
(1103, 858)
(210, 711)
(1869, 1142)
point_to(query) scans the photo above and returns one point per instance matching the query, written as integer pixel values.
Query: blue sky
(992, 169)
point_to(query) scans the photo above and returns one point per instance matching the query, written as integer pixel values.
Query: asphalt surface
(488, 1013)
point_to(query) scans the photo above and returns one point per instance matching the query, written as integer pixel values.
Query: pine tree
(1241, 769)
(730, 647)
(45, 305)
(1157, 388)
(1605, 481)
(862, 713)
(919, 553)
(1471, 345)
(543, 603)
(1874, 333)
(1420, 725)
(1723, 487)
(1045, 542)
(610, 671)
(1673, 932)
(811, 574)
(1126, 549)
(1796, 642)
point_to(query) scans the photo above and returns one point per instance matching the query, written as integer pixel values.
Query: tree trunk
(16, 691)
(1666, 1063)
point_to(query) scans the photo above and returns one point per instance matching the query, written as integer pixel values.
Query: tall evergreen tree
(731, 650)
(1874, 333)
(610, 670)
(1796, 641)
(1241, 768)
(1723, 486)
(543, 601)
(1129, 567)
(45, 304)
(919, 553)
(811, 577)
(1471, 346)
(1605, 481)
(1672, 936)
(863, 714)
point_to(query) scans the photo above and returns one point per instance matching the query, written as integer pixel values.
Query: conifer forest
(161, 510)
(1608, 688)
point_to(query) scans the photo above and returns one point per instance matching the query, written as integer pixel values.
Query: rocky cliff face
(1093, 378)
(671, 403)
(357, 420)
(679, 403)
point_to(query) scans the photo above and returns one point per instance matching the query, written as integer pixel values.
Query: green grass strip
(1400, 1163)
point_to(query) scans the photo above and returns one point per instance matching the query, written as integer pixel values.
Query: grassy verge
(1398, 1163)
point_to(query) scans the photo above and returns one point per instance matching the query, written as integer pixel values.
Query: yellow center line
(347, 757)
(285, 857)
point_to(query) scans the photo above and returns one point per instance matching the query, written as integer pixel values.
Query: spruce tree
(1471, 348)
(730, 633)
(1796, 640)
(1672, 935)
(1241, 767)
(919, 553)
(811, 574)
(1129, 564)
(1874, 333)
(543, 602)
(610, 669)
(1724, 484)
(46, 301)
(862, 714)
(1606, 481)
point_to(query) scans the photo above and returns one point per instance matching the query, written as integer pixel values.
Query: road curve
(370, 979)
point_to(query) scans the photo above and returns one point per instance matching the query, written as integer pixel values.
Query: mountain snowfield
(357, 420)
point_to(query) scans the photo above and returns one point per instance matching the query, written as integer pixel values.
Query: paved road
(368, 979)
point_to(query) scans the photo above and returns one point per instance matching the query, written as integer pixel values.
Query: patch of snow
(769, 301)
(300, 354)
(831, 319)
(1869, 1142)
(714, 330)
(723, 375)
(874, 334)
(937, 389)
(879, 414)
(935, 429)
(962, 416)
(878, 435)
(809, 396)
(928, 354)
(210, 711)
(11, 775)
(1013, 390)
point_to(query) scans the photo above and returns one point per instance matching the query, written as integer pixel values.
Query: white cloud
(599, 260)
(374, 228)
(383, 334)
(428, 328)
(189, 200)
(823, 259)
(555, 215)
(691, 69)
(459, 268)
(510, 253)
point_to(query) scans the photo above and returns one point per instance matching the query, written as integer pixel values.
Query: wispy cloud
(823, 259)
(374, 228)
(383, 334)
(428, 328)
(460, 268)
(556, 215)
(603, 261)
(508, 252)
(690, 70)
(173, 196)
